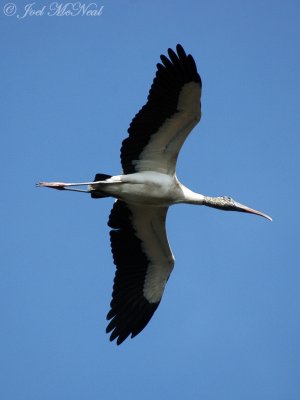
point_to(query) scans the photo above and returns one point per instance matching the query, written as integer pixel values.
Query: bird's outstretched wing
(144, 262)
(160, 128)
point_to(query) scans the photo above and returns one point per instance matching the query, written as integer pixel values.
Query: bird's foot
(53, 185)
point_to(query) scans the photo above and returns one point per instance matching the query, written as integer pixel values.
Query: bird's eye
(229, 200)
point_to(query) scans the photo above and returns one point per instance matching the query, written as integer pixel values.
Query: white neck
(190, 197)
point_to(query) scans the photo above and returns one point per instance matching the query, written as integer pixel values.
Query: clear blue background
(228, 326)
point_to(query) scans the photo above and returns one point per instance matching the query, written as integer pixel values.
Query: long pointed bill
(242, 208)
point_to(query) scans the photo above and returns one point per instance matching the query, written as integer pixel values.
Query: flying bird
(146, 189)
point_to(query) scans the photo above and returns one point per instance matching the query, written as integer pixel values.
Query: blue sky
(228, 326)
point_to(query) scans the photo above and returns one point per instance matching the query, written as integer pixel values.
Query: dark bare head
(228, 204)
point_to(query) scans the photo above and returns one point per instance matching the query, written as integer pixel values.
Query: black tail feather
(96, 194)
(101, 177)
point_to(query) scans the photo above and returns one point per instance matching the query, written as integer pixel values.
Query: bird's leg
(53, 185)
(64, 186)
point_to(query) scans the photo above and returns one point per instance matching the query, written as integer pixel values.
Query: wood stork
(145, 190)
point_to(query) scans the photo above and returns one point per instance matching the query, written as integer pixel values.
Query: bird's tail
(97, 194)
